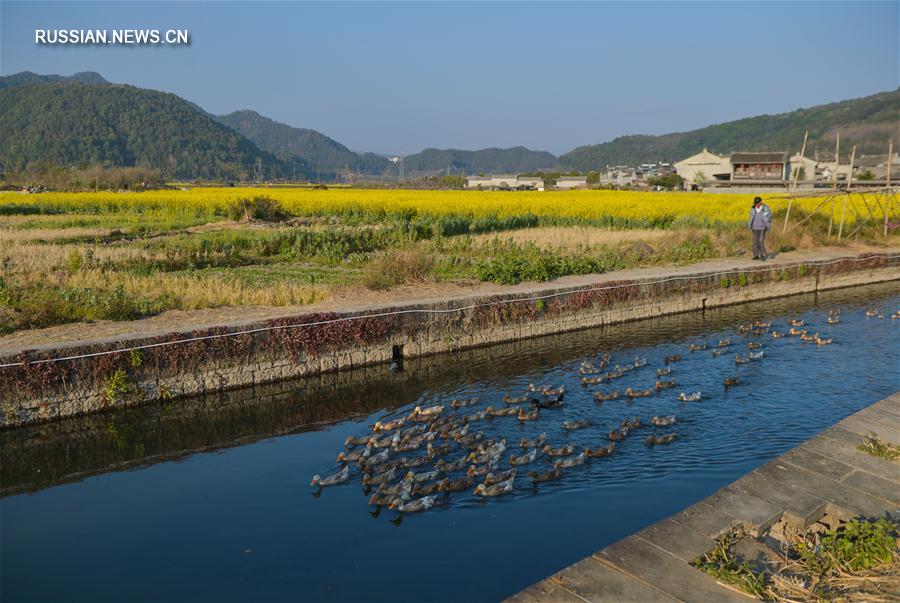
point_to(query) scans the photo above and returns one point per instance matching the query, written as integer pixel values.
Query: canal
(209, 499)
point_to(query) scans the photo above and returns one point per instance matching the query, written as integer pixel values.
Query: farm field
(71, 257)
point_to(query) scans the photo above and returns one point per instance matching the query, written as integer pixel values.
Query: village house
(759, 166)
(504, 182)
(702, 167)
(571, 182)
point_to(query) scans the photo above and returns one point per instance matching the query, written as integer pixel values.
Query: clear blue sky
(399, 77)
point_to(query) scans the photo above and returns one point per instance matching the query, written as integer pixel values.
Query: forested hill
(287, 141)
(485, 161)
(71, 123)
(867, 122)
(23, 78)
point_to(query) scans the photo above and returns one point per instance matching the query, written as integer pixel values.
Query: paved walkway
(825, 474)
(182, 321)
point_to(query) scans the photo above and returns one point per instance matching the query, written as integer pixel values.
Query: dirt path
(357, 298)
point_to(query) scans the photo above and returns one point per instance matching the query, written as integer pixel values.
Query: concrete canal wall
(72, 380)
(826, 475)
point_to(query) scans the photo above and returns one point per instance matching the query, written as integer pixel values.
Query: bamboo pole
(887, 181)
(849, 182)
(787, 215)
(837, 158)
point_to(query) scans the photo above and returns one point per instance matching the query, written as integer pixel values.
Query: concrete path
(178, 321)
(826, 474)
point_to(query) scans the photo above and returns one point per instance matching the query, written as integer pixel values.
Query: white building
(505, 181)
(533, 183)
(702, 167)
(571, 182)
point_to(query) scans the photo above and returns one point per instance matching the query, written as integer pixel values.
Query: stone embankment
(72, 379)
(827, 475)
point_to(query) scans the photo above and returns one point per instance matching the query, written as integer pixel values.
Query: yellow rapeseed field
(648, 208)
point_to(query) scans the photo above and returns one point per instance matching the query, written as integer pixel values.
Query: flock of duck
(414, 462)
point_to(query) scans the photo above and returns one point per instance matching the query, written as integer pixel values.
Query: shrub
(396, 268)
(258, 208)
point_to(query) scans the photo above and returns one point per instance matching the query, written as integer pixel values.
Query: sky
(400, 77)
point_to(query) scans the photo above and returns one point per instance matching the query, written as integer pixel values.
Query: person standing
(760, 220)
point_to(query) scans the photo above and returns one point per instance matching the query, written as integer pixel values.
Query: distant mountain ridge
(492, 160)
(82, 119)
(286, 141)
(71, 123)
(25, 78)
(867, 122)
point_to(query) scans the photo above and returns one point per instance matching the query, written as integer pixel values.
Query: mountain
(70, 123)
(25, 78)
(485, 161)
(286, 141)
(867, 122)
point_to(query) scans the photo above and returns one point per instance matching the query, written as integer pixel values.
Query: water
(209, 499)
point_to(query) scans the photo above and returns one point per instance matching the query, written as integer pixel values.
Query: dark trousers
(759, 243)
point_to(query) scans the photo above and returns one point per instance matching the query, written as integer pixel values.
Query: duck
(756, 355)
(663, 421)
(601, 397)
(414, 506)
(794, 331)
(562, 451)
(672, 358)
(425, 489)
(821, 341)
(448, 485)
(596, 453)
(524, 459)
(549, 403)
(411, 463)
(352, 457)
(428, 411)
(507, 399)
(753, 346)
(833, 320)
(500, 412)
(591, 380)
(723, 343)
(476, 470)
(729, 381)
(535, 443)
(805, 337)
(559, 391)
(353, 441)
(546, 476)
(694, 397)
(738, 359)
(776, 335)
(631, 424)
(463, 403)
(492, 447)
(418, 478)
(617, 435)
(375, 459)
(529, 416)
(332, 480)
(379, 499)
(573, 425)
(399, 490)
(471, 440)
(631, 393)
(369, 479)
(569, 462)
(895, 315)
(872, 312)
(613, 375)
(386, 441)
(457, 465)
(718, 352)
(663, 371)
(796, 322)
(478, 416)
(440, 450)
(653, 440)
(496, 489)
(665, 384)
(588, 368)
(388, 425)
(502, 476)
(762, 325)
(639, 362)
(697, 347)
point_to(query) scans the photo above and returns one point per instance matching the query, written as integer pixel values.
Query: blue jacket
(767, 215)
